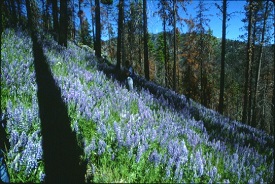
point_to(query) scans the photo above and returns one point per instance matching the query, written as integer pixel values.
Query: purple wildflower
(101, 129)
(199, 163)
(14, 137)
(90, 148)
(155, 158)
(101, 147)
(212, 173)
(140, 151)
(118, 134)
(42, 177)
(31, 166)
(168, 172)
(136, 138)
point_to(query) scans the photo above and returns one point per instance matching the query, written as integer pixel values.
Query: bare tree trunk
(80, 15)
(188, 80)
(123, 53)
(98, 29)
(250, 108)
(178, 81)
(31, 6)
(93, 25)
(63, 29)
(164, 51)
(119, 32)
(48, 16)
(109, 31)
(258, 70)
(248, 66)
(221, 98)
(139, 53)
(145, 34)
(55, 19)
(273, 98)
(19, 12)
(45, 14)
(175, 60)
(13, 12)
(73, 22)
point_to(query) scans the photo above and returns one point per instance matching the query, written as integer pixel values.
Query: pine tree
(145, 42)
(175, 45)
(63, 27)
(249, 54)
(98, 29)
(221, 97)
(55, 19)
(120, 33)
(259, 64)
(163, 12)
(160, 58)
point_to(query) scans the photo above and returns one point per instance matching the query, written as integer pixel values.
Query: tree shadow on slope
(60, 148)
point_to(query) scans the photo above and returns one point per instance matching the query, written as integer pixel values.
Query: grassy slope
(129, 136)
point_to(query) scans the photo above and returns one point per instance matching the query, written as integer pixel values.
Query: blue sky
(234, 25)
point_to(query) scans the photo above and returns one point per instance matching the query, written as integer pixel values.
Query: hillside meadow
(126, 136)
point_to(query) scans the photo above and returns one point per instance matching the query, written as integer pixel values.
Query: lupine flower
(118, 134)
(75, 126)
(212, 173)
(179, 175)
(136, 139)
(90, 148)
(140, 151)
(168, 172)
(128, 141)
(101, 147)
(101, 129)
(31, 165)
(23, 140)
(14, 137)
(113, 156)
(199, 163)
(155, 158)
(226, 181)
(42, 177)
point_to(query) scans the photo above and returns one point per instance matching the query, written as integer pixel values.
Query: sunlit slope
(127, 136)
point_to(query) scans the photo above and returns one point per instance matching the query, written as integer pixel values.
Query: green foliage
(134, 107)
(159, 50)
(85, 33)
(107, 2)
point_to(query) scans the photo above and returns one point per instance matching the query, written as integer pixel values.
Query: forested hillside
(201, 109)
(234, 77)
